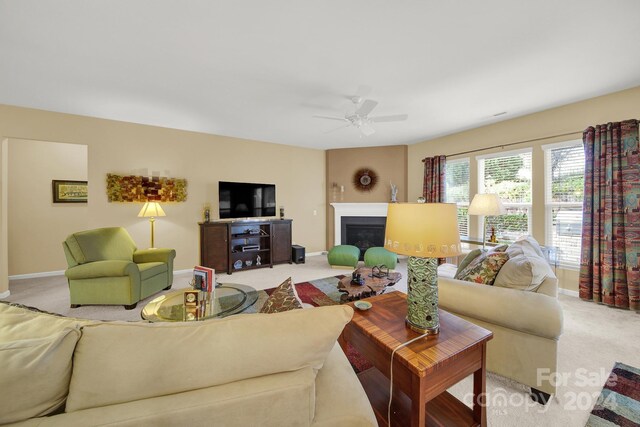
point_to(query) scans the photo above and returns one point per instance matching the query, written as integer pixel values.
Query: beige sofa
(526, 324)
(261, 369)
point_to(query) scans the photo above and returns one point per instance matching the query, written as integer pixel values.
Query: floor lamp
(484, 205)
(424, 232)
(151, 210)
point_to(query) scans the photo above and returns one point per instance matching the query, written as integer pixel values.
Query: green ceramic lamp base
(422, 298)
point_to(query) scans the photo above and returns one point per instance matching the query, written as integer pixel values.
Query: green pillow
(467, 260)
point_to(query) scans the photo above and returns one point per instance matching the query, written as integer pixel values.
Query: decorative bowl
(363, 305)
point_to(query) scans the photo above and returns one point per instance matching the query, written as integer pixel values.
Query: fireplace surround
(371, 216)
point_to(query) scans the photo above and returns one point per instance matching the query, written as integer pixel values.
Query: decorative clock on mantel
(365, 179)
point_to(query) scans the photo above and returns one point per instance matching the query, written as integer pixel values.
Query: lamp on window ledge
(151, 210)
(484, 205)
(424, 232)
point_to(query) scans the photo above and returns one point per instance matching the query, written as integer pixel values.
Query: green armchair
(106, 268)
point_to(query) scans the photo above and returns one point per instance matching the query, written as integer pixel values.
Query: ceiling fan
(360, 117)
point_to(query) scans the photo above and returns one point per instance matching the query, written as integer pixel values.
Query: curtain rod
(513, 143)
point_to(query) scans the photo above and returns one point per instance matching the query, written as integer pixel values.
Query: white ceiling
(261, 69)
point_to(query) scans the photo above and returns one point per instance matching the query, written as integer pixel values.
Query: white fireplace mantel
(354, 209)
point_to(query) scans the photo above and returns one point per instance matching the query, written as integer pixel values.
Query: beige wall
(569, 118)
(389, 163)
(202, 159)
(32, 166)
(4, 233)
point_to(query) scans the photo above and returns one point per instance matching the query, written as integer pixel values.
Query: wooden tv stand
(222, 243)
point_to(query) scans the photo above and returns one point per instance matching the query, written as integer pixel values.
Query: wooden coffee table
(372, 285)
(423, 370)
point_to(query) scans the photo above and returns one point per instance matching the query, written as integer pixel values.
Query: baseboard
(316, 253)
(36, 275)
(568, 292)
(5, 294)
(61, 272)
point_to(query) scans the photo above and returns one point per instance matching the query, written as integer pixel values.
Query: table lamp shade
(425, 232)
(486, 204)
(151, 209)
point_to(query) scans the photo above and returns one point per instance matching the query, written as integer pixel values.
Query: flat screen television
(246, 200)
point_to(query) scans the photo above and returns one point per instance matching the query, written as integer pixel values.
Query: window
(457, 191)
(509, 176)
(564, 189)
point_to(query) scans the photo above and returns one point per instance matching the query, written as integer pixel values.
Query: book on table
(203, 278)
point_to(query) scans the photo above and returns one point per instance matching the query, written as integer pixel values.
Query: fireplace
(361, 211)
(363, 232)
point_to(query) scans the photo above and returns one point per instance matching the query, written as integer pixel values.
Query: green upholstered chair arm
(154, 255)
(110, 268)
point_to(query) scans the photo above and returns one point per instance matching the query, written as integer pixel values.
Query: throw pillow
(475, 254)
(283, 298)
(525, 245)
(484, 268)
(21, 322)
(523, 272)
(35, 374)
(467, 260)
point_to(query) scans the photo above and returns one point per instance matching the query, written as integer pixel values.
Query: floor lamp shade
(151, 210)
(424, 232)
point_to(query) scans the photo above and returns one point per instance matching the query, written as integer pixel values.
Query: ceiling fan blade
(342, 119)
(396, 118)
(367, 130)
(341, 127)
(367, 106)
(363, 91)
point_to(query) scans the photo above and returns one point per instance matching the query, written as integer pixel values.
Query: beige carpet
(595, 337)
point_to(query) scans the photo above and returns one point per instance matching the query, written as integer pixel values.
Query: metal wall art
(145, 188)
(365, 179)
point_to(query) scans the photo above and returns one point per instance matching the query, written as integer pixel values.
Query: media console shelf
(234, 246)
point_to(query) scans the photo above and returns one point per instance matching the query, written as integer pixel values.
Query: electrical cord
(391, 374)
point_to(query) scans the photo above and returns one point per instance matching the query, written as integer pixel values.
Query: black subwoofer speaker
(297, 254)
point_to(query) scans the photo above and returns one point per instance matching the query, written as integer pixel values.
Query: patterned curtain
(609, 271)
(434, 179)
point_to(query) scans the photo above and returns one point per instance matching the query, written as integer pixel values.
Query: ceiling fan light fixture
(360, 117)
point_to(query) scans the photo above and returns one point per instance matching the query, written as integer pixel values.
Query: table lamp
(151, 210)
(486, 204)
(424, 232)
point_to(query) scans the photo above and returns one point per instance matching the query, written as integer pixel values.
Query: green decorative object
(344, 256)
(424, 232)
(380, 256)
(422, 300)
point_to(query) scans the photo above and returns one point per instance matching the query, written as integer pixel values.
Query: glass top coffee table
(230, 298)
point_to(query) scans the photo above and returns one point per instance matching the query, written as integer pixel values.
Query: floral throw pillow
(284, 298)
(484, 268)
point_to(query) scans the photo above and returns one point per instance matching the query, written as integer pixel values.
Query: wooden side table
(423, 370)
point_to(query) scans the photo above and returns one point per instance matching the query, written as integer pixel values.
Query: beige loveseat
(526, 324)
(247, 370)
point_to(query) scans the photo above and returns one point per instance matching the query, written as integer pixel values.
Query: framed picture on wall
(69, 191)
